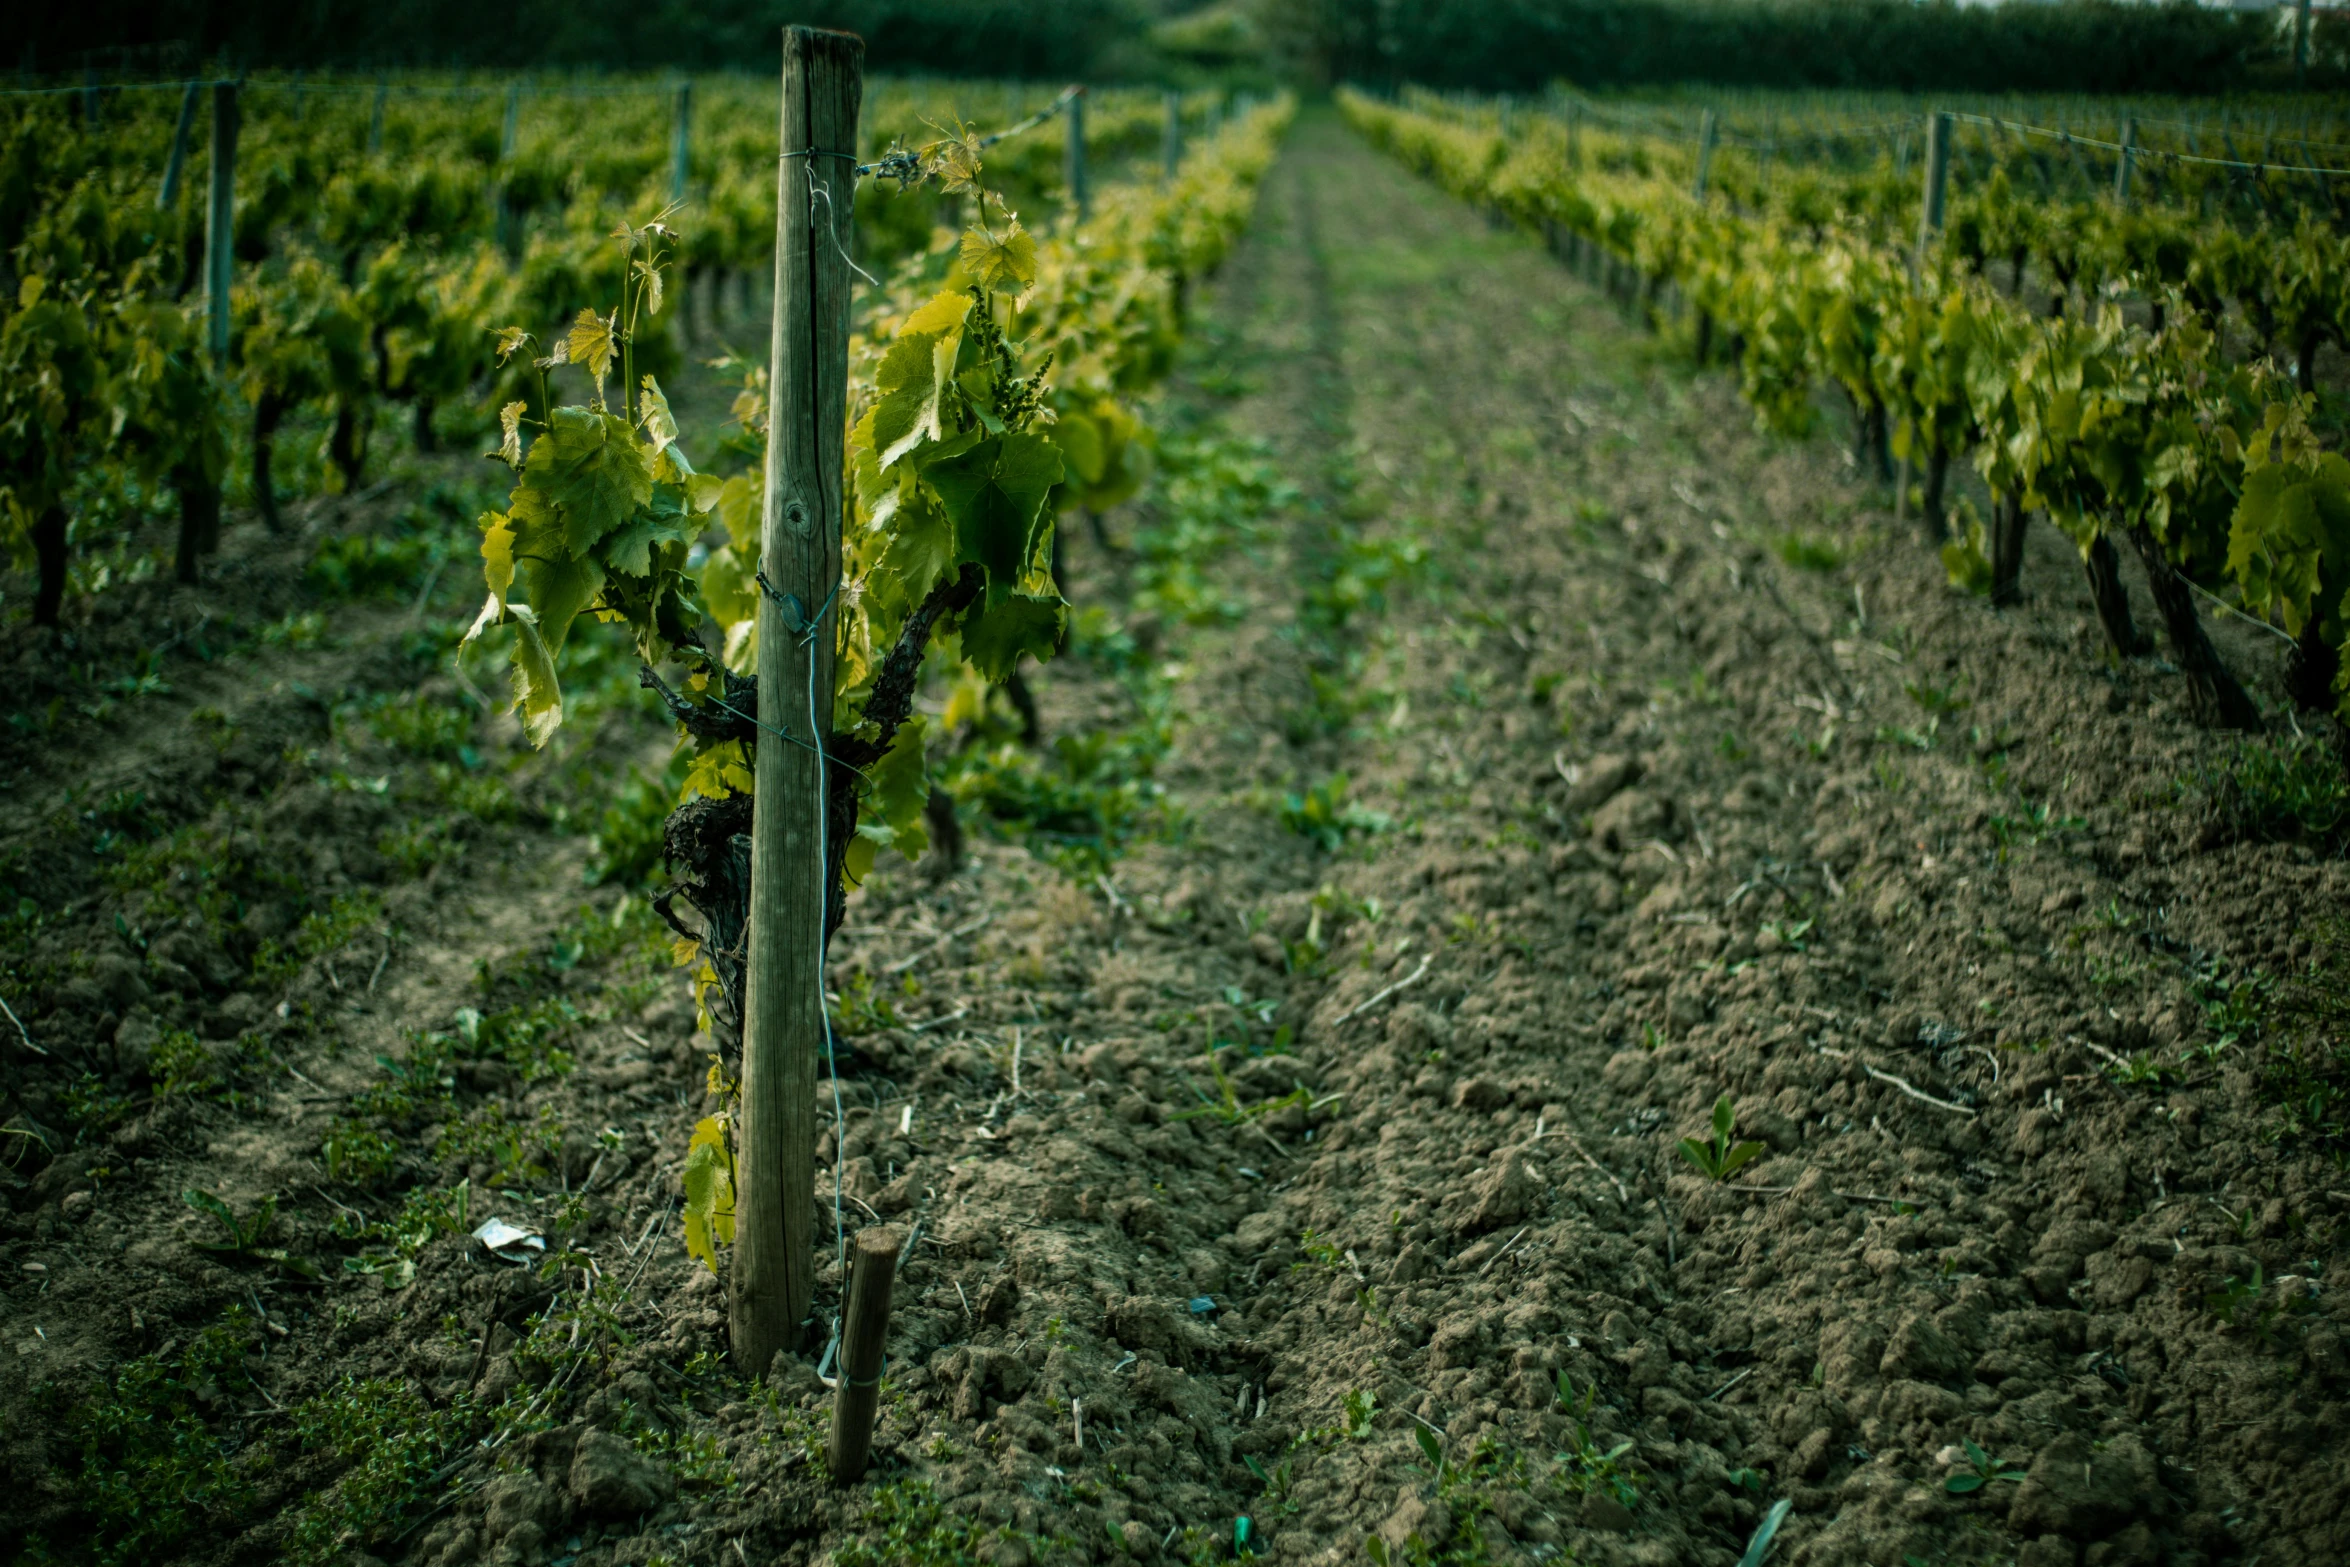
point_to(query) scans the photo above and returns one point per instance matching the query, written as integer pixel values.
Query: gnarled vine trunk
(2214, 695)
(2112, 596)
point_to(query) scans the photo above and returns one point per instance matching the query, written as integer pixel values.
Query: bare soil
(1320, 1154)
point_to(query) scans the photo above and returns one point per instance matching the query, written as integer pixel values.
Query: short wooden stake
(1171, 148)
(2121, 172)
(864, 1340)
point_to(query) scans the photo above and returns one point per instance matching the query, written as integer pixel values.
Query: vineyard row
(2156, 390)
(186, 280)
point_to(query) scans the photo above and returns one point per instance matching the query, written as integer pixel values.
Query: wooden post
(681, 142)
(177, 164)
(375, 118)
(1706, 136)
(864, 1339)
(2300, 45)
(89, 98)
(774, 1276)
(1171, 145)
(509, 237)
(2121, 170)
(220, 238)
(1937, 183)
(1080, 194)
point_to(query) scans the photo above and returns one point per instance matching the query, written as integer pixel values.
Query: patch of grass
(2278, 790)
(2306, 1066)
(905, 1525)
(321, 933)
(1807, 551)
(626, 848)
(185, 1066)
(154, 1468)
(1321, 813)
(1079, 804)
(394, 1443)
(416, 725)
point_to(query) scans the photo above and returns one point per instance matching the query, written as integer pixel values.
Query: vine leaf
(590, 344)
(1001, 265)
(497, 554)
(589, 469)
(994, 493)
(709, 1191)
(537, 693)
(509, 449)
(996, 634)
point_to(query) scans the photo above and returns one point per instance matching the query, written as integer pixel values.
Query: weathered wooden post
(1707, 134)
(681, 142)
(168, 196)
(774, 1275)
(220, 237)
(1080, 193)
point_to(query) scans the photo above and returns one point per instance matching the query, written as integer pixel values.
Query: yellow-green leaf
(708, 1179)
(590, 343)
(1001, 264)
(537, 693)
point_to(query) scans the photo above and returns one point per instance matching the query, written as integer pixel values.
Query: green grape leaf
(737, 508)
(664, 520)
(559, 591)
(537, 693)
(918, 552)
(994, 493)
(1003, 264)
(708, 1179)
(996, 634)
(591, 471)
(727, 587)
(856, 861)
(914, 373)
(901, 789)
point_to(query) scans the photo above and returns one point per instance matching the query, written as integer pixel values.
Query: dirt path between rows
(1307, 1175)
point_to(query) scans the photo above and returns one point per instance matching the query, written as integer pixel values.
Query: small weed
(1360, 1406)
(1720, 1159)
(243, 1237)
(1582, 1465)
(1807, 551)
(1979, 1469)
(1936, 702)
(1322, 814)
